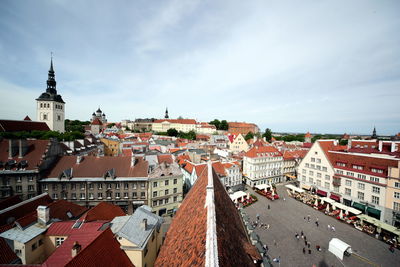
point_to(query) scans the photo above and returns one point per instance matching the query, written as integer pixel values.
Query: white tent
(237, 195)
(316, 202)
(338, 248)
(294, 188)
(262, 186)
(327, 207)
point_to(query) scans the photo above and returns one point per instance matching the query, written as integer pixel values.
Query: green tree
(224, 125)
(344, 142)
(248, 136)
(216, 123)
(110, 125)
(268, 134)
(172, 132)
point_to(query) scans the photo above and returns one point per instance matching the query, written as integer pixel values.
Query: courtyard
(286, 217)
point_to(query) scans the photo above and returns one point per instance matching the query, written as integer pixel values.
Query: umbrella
(341, 214)
(316, 202)
(322, 202)
(333, 207)
(273, 193)
(248, 195)
(347, 213)
(327, 207)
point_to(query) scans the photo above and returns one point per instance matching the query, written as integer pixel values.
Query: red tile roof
(104, 211)
(24, 125)
(181, 121)
(92, 166)
(103, 251)
(307, 135)
(297, 154)
(61, 228)
(27, 118)
(10, 201)
(97, 122)
(21, 209)
(185, 242)
(165, 158)
(33, 155)
(255, 152)
(7, 255)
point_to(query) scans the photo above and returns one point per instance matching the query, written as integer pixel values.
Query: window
(154, 184)
(361, 186)
(327, 177)
(339, 172)
(100, 195)
(374, 179)
(361, 176)
(311, 173)
(312, 159)
(360, 195)
(55, 187)
(73, 195)
(90, 186)
(375, 200)
(319, 175)
(160, 202)
(175, 199)
(324, 169)
(166, 200)
(348, 183)
(34, 246)
(73, 186)
(40, 242)
(59, 241)
(63, 187)
(358, 167)
(397, 195)
(347, 191)
(341, 164)
(18, 188)
(155, 194)
(55, 196)
(376, 170)
(326, 185)
(311, 180)
(166, 182)
(91, 196)
(318, 167)
(312, 166)
(166, 192)
(318, 160)
(58, 117)
(100, 186)
(376, 190)
(397, 184)
(83, 186)
(117, 195)
(83, 196)
(44, 116)
(126, 195)
(396, 206)
(350, 173)
(109, 186)
(109, 195)
(175, 181)
(154, 203)
(319, 182)
(303, 171)
(117, 186)
(19, 179)
(303, 178)
(134, 194)
(175, 190)
(45, 188)
(307, 165)
(142, 194)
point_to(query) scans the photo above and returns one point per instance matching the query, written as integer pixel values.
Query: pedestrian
(318, 248)
(308, 244)
(296, 235)
(258, 217)
(317, 223)
(329, 227)
(309, 251)
(267, 226)
(269, 206)
(304, 217)
(302, 233)
(304, 250)
(275, 242)
(305, 242)
(305, 238)
(333, 228)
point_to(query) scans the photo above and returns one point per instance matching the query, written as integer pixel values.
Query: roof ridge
(211, 235)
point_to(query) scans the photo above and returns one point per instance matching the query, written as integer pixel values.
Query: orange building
(242, 127)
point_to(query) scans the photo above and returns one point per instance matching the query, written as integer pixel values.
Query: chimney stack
(79, 159)
(143, 225)
(43, 215)
(76, 248)
(133, 159)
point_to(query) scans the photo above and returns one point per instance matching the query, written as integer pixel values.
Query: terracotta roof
(7, 255)
(21, 209)
(165, 158)
(297, 154)
(307, 135)
(364, 144)
(24, 125)
(185, 242)
(219, 168)
(10, 201)
(241, 124)
(103, 251)
(27, 118)
(61, 228)
(97, 122)
(92, 166)
(260, 142)
(84, 235)
(33, 155)
(307, 145)
(104, 211)
(260, 151)
(181, 121)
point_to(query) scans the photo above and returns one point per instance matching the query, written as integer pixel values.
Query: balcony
(336, 180)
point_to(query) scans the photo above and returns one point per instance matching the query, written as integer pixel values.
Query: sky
(295, 66)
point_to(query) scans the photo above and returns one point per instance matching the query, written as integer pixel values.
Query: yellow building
(393, 193)
(140, 235)
(184, 125)
(111, 147)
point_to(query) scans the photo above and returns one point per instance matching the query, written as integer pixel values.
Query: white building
(50, 107)
(262, 165)
(184, 125)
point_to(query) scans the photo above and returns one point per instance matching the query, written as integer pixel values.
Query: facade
(291, 160)
(165, 188)
(262, 165)
(50, 107)
(242, 128)
(393, 194)
(184, 125)
(111, 146)
(229, 173)
(22, 162)
(140, 236)
(238, 144)
(87, 181)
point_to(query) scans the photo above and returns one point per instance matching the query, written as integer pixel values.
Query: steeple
(51, 81)
(374, 136)
(166, 113)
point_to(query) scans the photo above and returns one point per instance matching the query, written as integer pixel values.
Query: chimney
(76, 248)
(143, 224)
(133, 159)
(43, 215)
(79, 159)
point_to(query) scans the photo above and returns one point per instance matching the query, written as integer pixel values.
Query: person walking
(329, 227)
(308, 244)
(258, 217)
(305, 242)
(309, 251)
(269, 206)
(333, 228)
(302, 234)
(304, 250)
(275, 242)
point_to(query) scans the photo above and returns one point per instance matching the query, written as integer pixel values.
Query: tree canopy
(248, 136)
(267, 134)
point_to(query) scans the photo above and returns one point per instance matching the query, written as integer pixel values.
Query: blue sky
(319, 66)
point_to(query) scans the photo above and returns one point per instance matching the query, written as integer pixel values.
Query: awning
(335, 197)
(290, 176)
(359, 206)
(306, 187)
(262, 186)
(328, 200)
(294, 188)
(322, 193)
(373, 211)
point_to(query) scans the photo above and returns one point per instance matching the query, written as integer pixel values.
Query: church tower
(50, 107)
(166, 113)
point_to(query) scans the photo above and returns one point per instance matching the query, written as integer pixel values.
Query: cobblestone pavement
(287, 217)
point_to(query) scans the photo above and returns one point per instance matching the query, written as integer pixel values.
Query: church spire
(374, 136)
(166, 113)
(51, 80)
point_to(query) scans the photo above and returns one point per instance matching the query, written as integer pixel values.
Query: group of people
(307, 244)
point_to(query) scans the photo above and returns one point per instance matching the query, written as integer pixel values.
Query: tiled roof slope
(21, 209)
(7, 255)
(10, 201)
(103, 212)
(36, 148)
(181, 121)
(185, 243)
(258, 151)
(103, 251)
(25, 125)
(92, 166)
